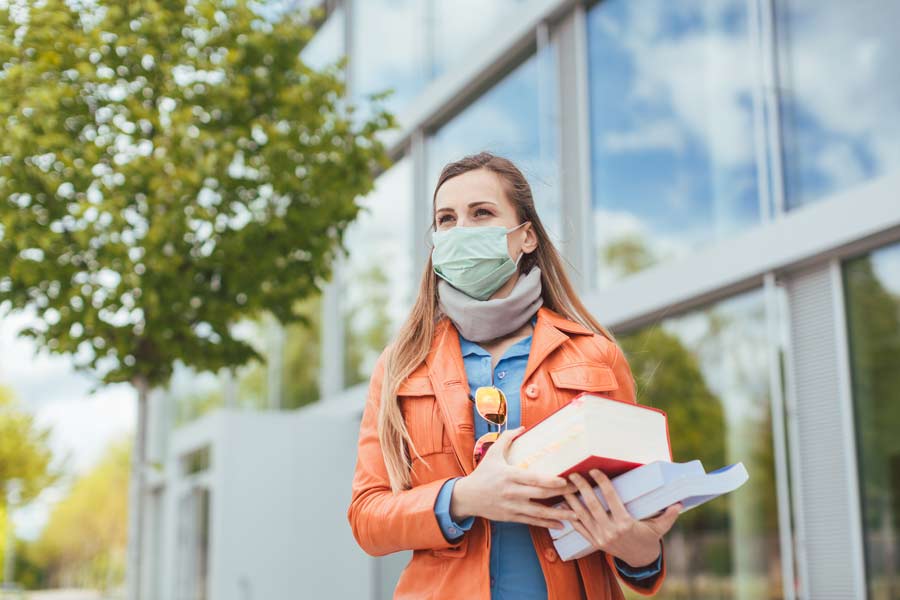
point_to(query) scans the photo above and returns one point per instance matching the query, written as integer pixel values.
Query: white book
(650, 489)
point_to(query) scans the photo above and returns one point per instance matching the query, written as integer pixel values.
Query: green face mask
(474, 259)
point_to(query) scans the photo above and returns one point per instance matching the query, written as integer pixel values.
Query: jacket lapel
(451, 387)
(451, 390)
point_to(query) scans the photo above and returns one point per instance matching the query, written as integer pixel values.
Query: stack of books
(628, 442)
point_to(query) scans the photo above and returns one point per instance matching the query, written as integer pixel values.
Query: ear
(531, 240)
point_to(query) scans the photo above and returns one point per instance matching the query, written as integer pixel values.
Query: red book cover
(610, 466)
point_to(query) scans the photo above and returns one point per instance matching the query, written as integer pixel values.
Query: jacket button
(550, 554)
(532, 390)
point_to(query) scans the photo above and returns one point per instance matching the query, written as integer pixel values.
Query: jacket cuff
(452, 530)
(647, 586)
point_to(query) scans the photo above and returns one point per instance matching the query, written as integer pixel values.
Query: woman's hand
(499, 491)
(617, 533)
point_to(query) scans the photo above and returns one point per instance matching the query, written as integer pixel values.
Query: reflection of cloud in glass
(507, 120)
(380, 246)
(327, 46)
(841, 98)
(671, 121)
(389, 49)
(462, 25)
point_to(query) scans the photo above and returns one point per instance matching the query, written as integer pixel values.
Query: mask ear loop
(521, 252)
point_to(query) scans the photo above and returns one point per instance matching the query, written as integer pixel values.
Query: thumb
(664, 522)
(506, 438)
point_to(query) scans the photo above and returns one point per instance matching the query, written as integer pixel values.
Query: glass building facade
(722, 177)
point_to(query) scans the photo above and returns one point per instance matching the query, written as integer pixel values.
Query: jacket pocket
(584, 376)
(422, 415)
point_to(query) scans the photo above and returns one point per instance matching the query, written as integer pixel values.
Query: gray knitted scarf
(484, 320)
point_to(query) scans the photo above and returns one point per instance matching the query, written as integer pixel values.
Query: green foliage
(166, 170)
(85, 537)
(873, 315)
(25, 452)
(627, 254)
(302, 352)
(368, 324)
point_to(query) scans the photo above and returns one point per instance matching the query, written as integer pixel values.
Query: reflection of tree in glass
(195, 405)
(733, 346)
(668, 377)
(367, 321)
(626, 254)
(302, 355)
(873, 315)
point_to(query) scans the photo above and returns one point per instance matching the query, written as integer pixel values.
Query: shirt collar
(468, 347)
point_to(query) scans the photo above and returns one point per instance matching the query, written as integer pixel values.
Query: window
(708, 370)
(671, 127)
(872, 288)
(840, 94)
(389, 50)
(517, 119)
(327, 46)
(377, 280)
(464, 25)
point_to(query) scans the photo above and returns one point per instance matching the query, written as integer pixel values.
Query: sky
(82, 424)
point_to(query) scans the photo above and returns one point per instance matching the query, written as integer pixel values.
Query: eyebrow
(471, 204)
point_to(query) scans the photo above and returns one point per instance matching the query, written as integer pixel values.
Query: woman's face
(476, 198)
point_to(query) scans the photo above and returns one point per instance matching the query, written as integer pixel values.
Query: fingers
(666, 520)
(530, 491)
(503, 441)
(538, 522)
(618, 510)
(545, 516)
(587, 535)
(584, 517)
(560, 484)
(593, 503)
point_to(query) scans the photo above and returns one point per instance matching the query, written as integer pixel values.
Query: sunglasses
(490, 402)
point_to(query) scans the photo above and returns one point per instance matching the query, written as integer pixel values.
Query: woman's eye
(443, 218)
(486, 211)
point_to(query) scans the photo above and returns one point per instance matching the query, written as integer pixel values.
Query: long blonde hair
(413, 341)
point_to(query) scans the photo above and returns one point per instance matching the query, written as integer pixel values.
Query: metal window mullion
(771, 87)
(782, 466)
(845, 393)
(586, 242)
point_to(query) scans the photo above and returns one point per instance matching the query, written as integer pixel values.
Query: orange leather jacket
(566, 359)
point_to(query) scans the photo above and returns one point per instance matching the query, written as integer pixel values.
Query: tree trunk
(136, 495)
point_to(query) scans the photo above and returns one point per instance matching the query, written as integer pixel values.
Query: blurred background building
(723, 178)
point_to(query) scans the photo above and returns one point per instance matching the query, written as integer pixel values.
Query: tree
(25, 455)
(83, 543)
(166, 170)
(25, 452)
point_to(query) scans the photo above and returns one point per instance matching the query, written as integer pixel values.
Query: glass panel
(193, 394)
(302, 356)
(518, 119)
(327, 46)
(377, 279)
(672, 145)
(840, 98)
(389, 50)
(708, 370)
(872, 285)
(192, 564)
(461, 26)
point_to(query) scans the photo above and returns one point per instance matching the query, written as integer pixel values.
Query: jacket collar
(448, 374)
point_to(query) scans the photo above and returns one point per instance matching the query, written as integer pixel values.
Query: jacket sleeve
(626, 392)
(383, 522)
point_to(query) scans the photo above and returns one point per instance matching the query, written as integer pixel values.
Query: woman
(487, 326)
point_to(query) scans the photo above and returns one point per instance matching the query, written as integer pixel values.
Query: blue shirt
(515, 570)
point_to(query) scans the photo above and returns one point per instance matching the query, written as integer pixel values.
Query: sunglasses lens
(491, 404)
(483, 443)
